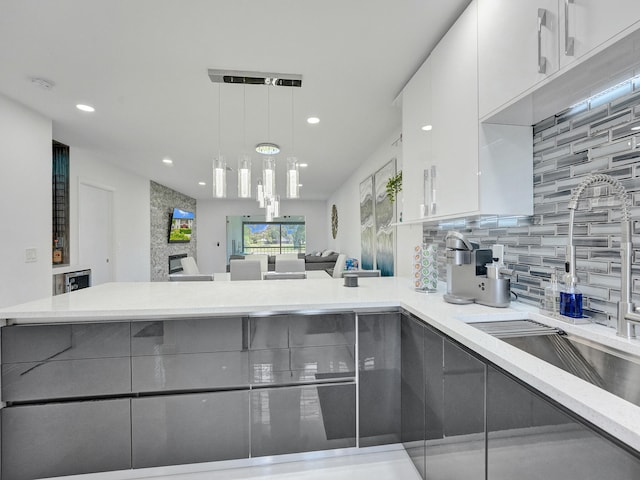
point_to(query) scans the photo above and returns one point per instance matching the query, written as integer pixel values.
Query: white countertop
(131, 301)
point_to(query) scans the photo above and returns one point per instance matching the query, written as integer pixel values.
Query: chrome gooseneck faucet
(627, 315)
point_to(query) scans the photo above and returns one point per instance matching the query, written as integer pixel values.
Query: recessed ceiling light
(85, 108)
(426, 128)
(303, 165)
(635, 128)
(300, 185)
(313, 120)
(202, 184)
(167, 161)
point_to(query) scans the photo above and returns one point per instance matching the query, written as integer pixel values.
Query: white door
(95, 232)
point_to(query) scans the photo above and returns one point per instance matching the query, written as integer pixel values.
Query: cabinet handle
(568, 41)
(542, 21)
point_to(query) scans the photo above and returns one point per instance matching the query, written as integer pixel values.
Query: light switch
(31, 255)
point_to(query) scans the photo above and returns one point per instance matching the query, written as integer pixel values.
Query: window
(60, 204)
(273, 237)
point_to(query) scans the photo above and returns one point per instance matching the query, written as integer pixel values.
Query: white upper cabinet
(588, 24)
(471, 171)
(417, 119)
(517, 48)
(523, 44)
(454, 103)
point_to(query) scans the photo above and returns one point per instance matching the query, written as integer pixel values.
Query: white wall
(347, 201)
(131, 213)
(25, 199)
(211, 224)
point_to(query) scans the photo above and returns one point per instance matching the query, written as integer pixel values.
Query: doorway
(95, 231)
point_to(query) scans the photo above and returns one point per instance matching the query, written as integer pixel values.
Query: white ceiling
(143, 65)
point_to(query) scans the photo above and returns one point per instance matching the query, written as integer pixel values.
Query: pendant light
(266, 189)
(293, 175)
(219, 177)
(244, 160)
(293, 178)
(260, 194)
(269, 176)
(219, 164)
(268, 209)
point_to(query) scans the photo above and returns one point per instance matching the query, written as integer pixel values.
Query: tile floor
(365, 464)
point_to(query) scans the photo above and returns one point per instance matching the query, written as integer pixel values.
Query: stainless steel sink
(613, 370)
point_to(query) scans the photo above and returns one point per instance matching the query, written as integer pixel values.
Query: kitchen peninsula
(297, 318)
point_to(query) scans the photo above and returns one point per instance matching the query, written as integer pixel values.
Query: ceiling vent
(255, 78)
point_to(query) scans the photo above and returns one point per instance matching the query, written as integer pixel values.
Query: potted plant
(394, 186)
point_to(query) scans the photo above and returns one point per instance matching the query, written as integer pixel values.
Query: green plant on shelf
(394, 186)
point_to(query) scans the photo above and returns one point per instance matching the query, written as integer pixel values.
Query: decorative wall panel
(163, 201)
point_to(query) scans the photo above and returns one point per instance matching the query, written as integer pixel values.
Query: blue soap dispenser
(571, 298)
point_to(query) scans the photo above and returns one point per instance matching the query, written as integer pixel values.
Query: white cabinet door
(416, 141)
(517, 48)
(474, 173)
(587, 24)
(455, 117)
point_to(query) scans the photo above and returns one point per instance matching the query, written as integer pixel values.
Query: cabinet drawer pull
(542, 21)
(568, 40)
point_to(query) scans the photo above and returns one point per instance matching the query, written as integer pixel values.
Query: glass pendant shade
(293, 178)
(269, 209)
(244, 176)
(260, 194)
(269, 176)
(219, 177)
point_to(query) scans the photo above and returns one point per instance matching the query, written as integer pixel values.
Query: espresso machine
(474, 274)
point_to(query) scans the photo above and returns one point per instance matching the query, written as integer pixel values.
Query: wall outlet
(31, 255)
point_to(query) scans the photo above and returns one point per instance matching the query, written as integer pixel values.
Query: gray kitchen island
(134, 375)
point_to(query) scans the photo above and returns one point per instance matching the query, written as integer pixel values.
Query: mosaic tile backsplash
(597, 135)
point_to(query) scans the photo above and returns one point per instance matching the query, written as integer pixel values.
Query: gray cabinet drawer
(177, 429)
(287, 349)
(301, 365)
(284, 331)
(41, 343)
(269, 332)
(204, 335)
(318, 330)
(189, 371)
(65, 379)
(379, 378)
(300, 419)
(65, 439)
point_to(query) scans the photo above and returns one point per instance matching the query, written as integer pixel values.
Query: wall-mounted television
(180, 226)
